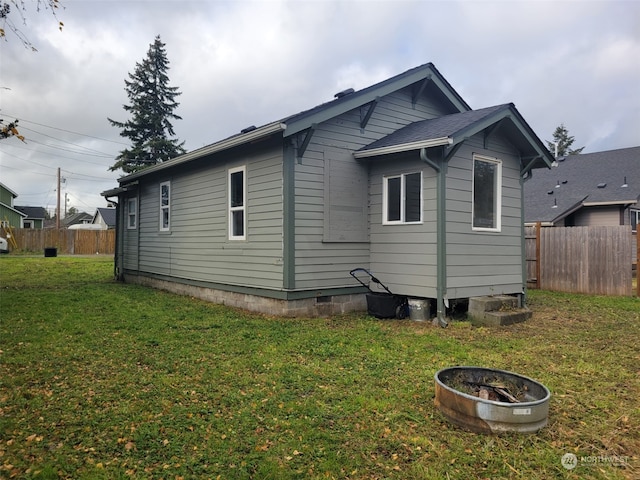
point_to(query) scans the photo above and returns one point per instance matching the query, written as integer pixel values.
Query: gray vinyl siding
(197, 246)
(322, 258)
(480, 262)
(129, 237)
(404, 257)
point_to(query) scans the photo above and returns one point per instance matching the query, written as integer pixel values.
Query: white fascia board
(231, 142)
(615, 202)
(405, 147)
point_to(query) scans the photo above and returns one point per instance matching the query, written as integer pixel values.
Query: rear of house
(401, 178)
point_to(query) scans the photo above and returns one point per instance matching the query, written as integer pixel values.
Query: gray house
(402, 178)
(600, 188)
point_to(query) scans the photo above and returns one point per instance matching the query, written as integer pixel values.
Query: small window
(165, 206)
(237, 203)
(28, 224)
(635, 219)
(132, 213)
(487, 194)
(402, 198)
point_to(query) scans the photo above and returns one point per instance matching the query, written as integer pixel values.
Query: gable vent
(344, 93)
(602, 185)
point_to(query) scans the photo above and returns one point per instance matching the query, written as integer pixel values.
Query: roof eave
(226, 144)
(405, 147)
(612, 202)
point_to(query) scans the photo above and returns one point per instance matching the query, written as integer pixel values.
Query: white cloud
(242, 62)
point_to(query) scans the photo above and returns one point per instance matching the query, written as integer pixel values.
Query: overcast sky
(240, 63)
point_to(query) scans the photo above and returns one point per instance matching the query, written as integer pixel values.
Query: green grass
(103, 380)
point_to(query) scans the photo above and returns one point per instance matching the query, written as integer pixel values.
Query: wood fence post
(538, 227)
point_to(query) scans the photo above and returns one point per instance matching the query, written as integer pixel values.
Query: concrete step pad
(499, 318)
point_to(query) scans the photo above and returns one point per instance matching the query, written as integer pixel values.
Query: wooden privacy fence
(68, 242)
(593, 260)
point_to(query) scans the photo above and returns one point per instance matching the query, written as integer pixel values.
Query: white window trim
(636, 213)
(498, 193)
(134, 214)
(385, 193)
(163, 207)
(242, 208)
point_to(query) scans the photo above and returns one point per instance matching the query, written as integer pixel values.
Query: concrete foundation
(319, 306)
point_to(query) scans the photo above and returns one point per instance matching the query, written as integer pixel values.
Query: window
(165, 206)
(132, 212)
(402, 198)
(28, 224)
(487, 194)
(635, 219)
(237, 203)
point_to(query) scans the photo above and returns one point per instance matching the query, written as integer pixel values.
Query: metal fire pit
(480, 415)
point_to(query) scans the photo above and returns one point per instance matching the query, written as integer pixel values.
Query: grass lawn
(103, 380)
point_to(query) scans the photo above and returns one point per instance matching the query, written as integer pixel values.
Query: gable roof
(107, 214)
(4, 187)
(33, 212)
(76, 218)
(450, 130)
(552, 195)
(425, 76)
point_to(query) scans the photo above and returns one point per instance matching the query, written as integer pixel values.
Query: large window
(487, 194)
(402, 198)
(165, 206)
(237, 203)
(635, 219)
(132, 213)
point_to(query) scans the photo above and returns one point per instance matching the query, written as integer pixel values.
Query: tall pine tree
(151, 109)
(563, 141)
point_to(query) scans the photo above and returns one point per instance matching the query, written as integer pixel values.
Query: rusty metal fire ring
(523, 408)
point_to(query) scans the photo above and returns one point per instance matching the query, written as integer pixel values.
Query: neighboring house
(105, 217)
(35, 217)
(600, 188)
(401, 177)
(10, 216)
(80, 218)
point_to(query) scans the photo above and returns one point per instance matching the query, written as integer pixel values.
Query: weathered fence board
(593, 260)
(68, 242)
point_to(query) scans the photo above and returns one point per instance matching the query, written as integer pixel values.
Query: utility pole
(58, 203)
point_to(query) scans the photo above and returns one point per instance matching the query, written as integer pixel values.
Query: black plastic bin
(50, 252)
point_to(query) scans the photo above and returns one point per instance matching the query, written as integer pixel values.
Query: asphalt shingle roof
(33, 212)
(575, 181)
(434, 128)
(108, 215)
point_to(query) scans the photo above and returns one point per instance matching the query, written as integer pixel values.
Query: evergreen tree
(563, 140)
(151, 109)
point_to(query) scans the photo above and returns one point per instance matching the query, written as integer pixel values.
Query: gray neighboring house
(80, 218)
(600, 188)
(402, 178)
(35, 217)
(105, 217)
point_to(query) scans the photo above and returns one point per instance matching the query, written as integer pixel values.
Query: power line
(97, 152)
(63, 130)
